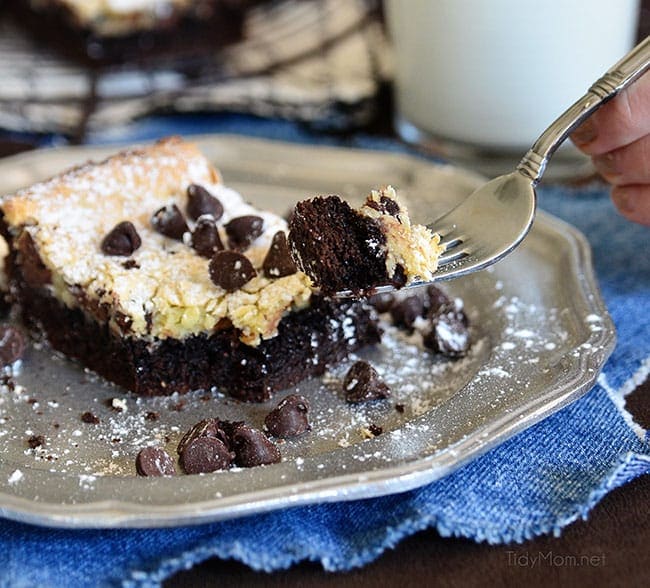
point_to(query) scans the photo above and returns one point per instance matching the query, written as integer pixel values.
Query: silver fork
(495, 218)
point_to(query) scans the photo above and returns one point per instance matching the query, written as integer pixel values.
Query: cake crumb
(36, 441)
(118, 404)
(90, 418)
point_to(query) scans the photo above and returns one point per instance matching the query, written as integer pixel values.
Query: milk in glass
(495, 73)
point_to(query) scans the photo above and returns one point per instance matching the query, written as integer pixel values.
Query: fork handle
(619, 76)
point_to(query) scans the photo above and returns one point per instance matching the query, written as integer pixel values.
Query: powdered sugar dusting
(509, 337)
(16, 476)
(530, 301)
(166, 290)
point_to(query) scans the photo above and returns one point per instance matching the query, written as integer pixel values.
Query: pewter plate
(540, 332)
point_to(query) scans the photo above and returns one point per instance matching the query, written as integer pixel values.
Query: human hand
(617, 136)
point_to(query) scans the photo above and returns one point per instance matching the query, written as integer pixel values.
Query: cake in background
(105, 32)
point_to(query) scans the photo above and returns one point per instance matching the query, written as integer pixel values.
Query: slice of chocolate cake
(150, 271)
(105, 32)
(343, 249)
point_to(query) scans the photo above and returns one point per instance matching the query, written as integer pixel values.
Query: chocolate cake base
(307, 342)
(336, 247)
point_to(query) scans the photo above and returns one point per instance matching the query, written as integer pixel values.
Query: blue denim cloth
(572, 459)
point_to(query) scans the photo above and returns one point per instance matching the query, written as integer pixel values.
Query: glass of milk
(479, 80)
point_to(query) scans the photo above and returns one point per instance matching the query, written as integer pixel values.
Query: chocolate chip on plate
(278, 262)
(253, 448)
(122, 240)
(436, 299)
(406, 311)
(12, 345)
(206, 428)
(382, 302)
(35, 441)
(289, 418)
(205, 237)
(243, 230)
(362, 382)
(204, 455)
(90, 418)
(448, 333)
(169, 221)
(154, 461)
(376, 430)
(200, 202)
(231, 270)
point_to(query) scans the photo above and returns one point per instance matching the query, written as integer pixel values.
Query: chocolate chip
(362, 382)
(204, 455)
(206, 428)
(169, 221)
(243, 230)
(289, 418)
(407, 310)
(399, 407)
(436, 299)
(231, 270)
(390, 206)
(278, 262)
(36, 441)
(382, 302)
(253, 448)
(385, 205)
(152, 416)
(376, 430)
(448, 333)
(200, 201)
(90, 418)
(12, 345)
(205, 237)
(154, 461)
(122, 240)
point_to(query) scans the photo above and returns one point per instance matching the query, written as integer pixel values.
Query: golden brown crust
(140, 166)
